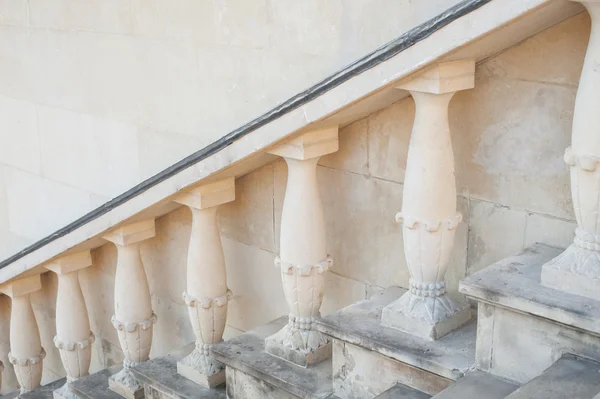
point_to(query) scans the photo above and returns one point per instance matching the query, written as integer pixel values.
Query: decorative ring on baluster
(206, 303)
(587, 162)
(301, 323)
(585, 240)
(304, 270)
(130, 363)
(70, 346)
(28, 360)
(427, 290)
(132, 327)
(431, 226)
(204, 348)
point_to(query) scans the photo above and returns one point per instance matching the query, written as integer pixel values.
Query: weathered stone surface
(11, 395)
(243, 386)
(161, 376)
(569, 377)
(274, 347)
(246, 355)
(45, 391)
(514, 283)
(400, 391)
(95, 386)
(360, 373)
(360, 324)
(478, 385)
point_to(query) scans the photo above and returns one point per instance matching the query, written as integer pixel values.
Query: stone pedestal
(303, 258)
(207, 295)
(428, 215)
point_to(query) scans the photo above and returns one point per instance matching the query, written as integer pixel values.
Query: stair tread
(569, 377)
(95, 386)
(11, 395)
(401, 391)
(45, 391)
(161, 374)
(480, 385)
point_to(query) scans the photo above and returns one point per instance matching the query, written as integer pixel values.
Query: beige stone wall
(96, 96)
(509, 135)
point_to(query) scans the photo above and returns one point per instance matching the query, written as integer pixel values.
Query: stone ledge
(360, 324)
(514, 283)
(45, 391)
(161, 376)
(246, 353)
(400, 391)
(95, 386)
(479, 385)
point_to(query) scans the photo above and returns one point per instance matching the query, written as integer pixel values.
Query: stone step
(253, 373)
(43, 392)
(524, 326)
(401, 391)
(95, 386)
(161, 380)
(569, 377)
(480, 385)
(11, 395)
(369, 358)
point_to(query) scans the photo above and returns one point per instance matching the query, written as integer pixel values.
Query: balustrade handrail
(365, 63)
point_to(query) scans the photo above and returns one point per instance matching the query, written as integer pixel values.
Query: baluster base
(576, 271)
(426, 317)
(201, 368)
(125, 384)
(302, 347)
(64, 392)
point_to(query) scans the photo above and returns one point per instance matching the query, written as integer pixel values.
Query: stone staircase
(533, 334)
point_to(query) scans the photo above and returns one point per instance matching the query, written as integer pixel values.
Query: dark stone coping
(480, 385)
(365, 63)
(569, 377)
(161, 374)
(514, 283)
(45, 391)
(95, 386)
(247, 354)
(11, 395)
(400, 391)
(360, 324)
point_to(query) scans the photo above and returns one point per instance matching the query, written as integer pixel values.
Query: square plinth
(275, 348)
(161, 378)
(246, 356)
(125, 390)
(95, 386)
(563, 279)
(195, 375)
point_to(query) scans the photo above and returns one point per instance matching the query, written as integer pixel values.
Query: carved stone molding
(28, 360)
(132, 327)
(304, 270)
(431, 226)
(206, 303)
(587, 162)
(71, 346)
(428, 290)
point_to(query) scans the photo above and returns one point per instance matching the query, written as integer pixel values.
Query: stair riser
(520, 347)
(360, 373)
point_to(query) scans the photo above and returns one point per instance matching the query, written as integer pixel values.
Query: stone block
(269, 374)
(563, 279)
(275, 348)
(112, 16)
(45, 391)
(402, 391)
(364, 347)
(488, 241)
(479, 385)
(445, 77)
(95, 386)
(19, 135)
(102, 155)
(569, 377)
(126, 391)
(525, 326)
(162, 378)
(314, 143)
(548, 230)
(351, 155)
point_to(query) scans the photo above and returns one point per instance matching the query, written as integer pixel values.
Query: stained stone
(160, 376)
(257, 371)
(478, 385)
(400, 391)
(95, 386)
(45, 391)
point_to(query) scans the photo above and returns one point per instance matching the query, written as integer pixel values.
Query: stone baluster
(26, 352)
(73, 336)
(428, 215)
(303, 257)
(577, 269)
(133, 318)
(206, 293)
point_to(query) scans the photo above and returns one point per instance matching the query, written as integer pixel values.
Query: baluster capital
(208, 195)
(312, 144)
(131, 233)
(22, 286)
(70, 263)
(445, 77)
